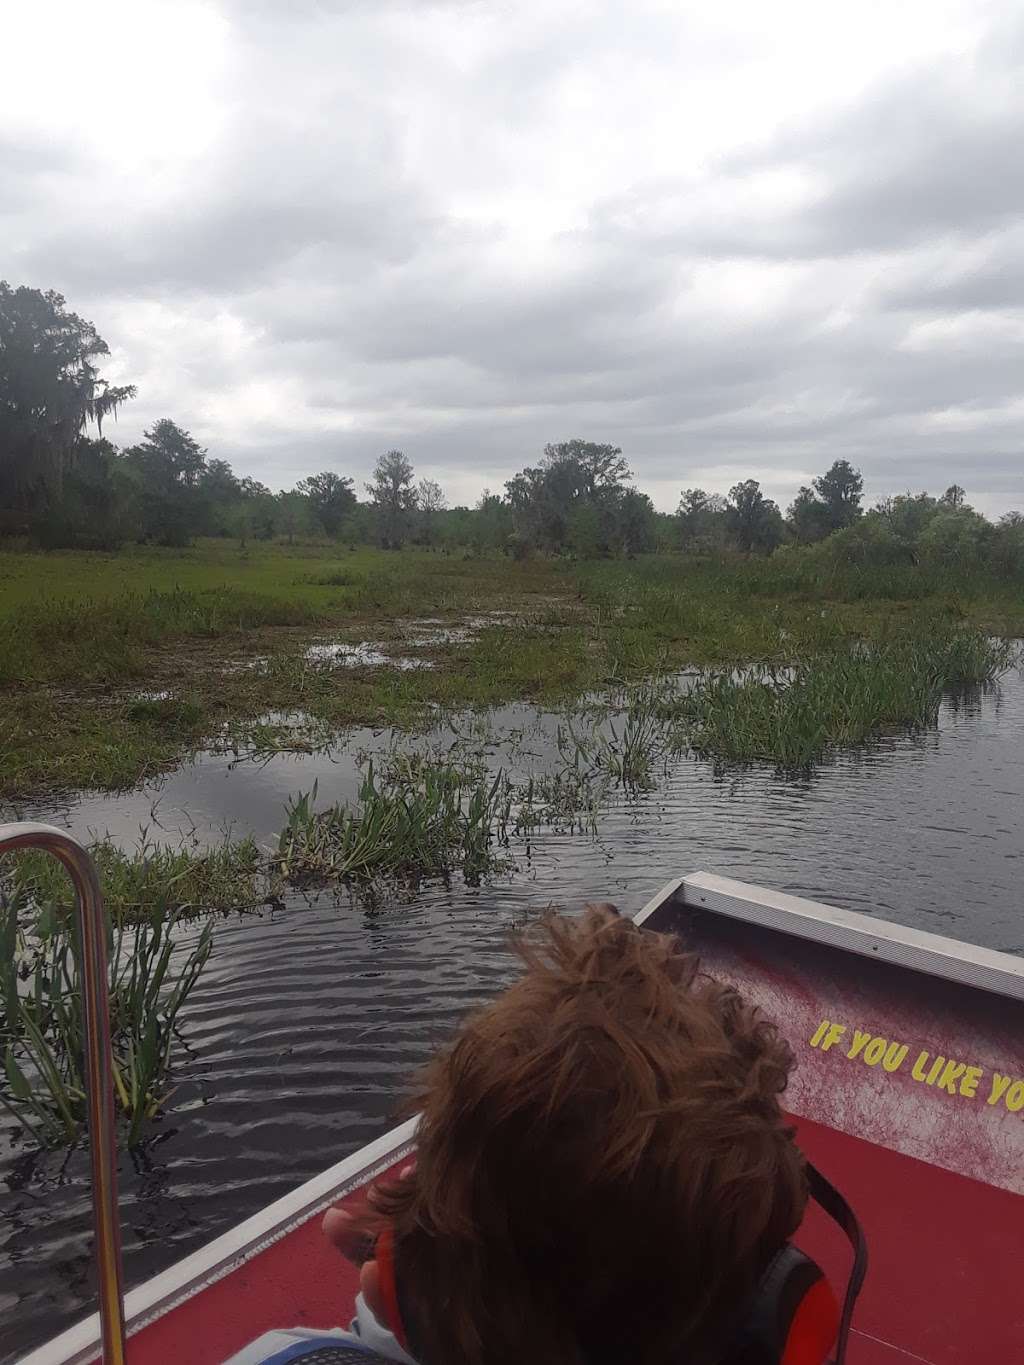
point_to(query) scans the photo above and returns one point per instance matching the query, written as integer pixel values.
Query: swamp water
(310, 1016)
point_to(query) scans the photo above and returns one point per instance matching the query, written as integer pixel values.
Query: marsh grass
(41, 1028)
(226, 632)
(71, 640)
(424, 823)
(839, 698)
(154, 881)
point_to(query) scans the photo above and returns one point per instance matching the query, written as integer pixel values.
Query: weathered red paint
(802, 984)
(935, 1178)
(943, 1287)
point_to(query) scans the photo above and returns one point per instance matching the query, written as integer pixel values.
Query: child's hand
(344, 1232)
(339, 1227)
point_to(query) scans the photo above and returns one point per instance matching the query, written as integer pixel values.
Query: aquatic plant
(568, 799)
(41, 1027)
(152, 881)
(840, 697)
(624, 751)
(425, 822)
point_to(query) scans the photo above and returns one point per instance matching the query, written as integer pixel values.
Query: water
(310, 1018)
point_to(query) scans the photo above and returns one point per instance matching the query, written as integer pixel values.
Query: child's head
(603, 1171)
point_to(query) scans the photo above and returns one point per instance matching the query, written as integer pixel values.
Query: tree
(700, 519)
(97, 506)
(595, 467)
(175, 454)
(840, 489)
(169, 466)
(907, 514)
(754, 520)
(293, 513)
(331, 499)
(50, 390)
(492, 522)
(570, 498)
(221, 492)
(958, 538)
(954, 497)
(430, 499)
(258, 508)
(809, 517)
(1007, 553)
(394, 498)
(636, 518)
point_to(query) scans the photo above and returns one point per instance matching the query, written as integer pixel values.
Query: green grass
(82, 634)
(155, 880)
(41, 1026)
(836, 699)
(426, 822)
(81, 640)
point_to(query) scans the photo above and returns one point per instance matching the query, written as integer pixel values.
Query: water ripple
(303, 1033)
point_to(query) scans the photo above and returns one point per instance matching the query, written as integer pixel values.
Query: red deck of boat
(946, 1249)
(944, 1284)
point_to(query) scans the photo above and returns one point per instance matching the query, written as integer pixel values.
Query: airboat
(908, 1093)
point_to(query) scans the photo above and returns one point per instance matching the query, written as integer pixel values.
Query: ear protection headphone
(794, 1317)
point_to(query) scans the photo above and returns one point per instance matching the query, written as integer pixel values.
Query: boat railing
(92, 928)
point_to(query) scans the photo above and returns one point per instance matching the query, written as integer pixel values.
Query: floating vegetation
(41, 1026)
(428, 822)
(625, 753)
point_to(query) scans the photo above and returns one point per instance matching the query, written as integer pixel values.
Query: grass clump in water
(626, 753)
(427, 822)
(41, 1028)
(840, 697)
(155, 880)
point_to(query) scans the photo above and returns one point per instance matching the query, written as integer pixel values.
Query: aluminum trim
(932, 954)
(667, 893)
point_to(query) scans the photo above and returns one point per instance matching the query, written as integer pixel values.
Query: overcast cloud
(735, 239)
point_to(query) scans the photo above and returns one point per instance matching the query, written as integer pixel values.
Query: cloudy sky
(734, 238)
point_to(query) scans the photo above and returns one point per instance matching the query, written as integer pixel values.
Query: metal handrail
(99, 1069)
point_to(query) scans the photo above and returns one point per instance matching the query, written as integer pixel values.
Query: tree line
(64, 486)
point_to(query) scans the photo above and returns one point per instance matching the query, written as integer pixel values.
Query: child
(603, 1171)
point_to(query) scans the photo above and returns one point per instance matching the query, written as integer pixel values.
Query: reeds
(41, 1027)
(155, 881)
(427, 821)
(835, 699)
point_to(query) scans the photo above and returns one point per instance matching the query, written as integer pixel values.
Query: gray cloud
(471, 228)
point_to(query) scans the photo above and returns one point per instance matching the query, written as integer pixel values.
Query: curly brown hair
(603, 1168)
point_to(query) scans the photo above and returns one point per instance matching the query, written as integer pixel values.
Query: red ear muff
(384, 1255)
(794, 1317)
(814, 1327)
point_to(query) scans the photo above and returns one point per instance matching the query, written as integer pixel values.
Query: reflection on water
(311, 1016)
(365, 655)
